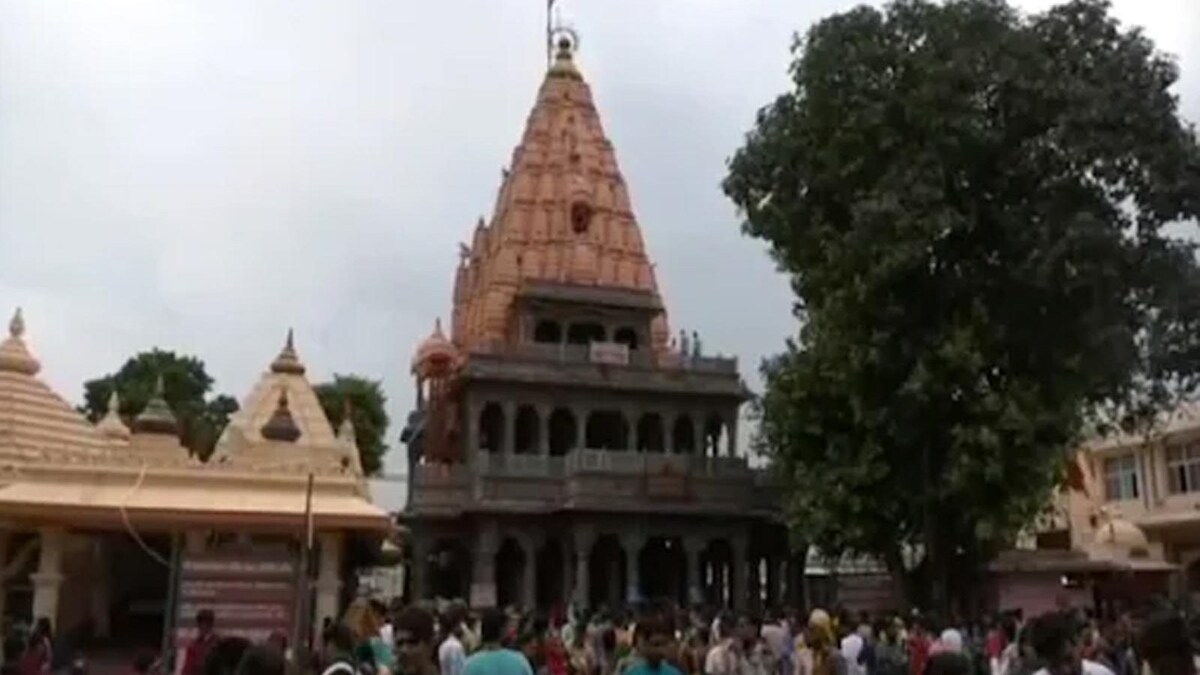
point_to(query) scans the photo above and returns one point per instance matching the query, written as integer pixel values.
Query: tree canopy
(368, 410)
(972, 207)
(186, 388)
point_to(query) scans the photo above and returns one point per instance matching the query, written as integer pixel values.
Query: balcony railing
(587, 354)
(597, 477)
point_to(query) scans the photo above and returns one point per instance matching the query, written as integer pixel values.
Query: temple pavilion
(89, 513)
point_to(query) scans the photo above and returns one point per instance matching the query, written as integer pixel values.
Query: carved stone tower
(564, 447)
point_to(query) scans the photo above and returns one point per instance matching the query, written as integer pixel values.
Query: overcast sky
(201, 175)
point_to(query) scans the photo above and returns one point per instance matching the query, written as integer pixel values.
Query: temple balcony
(605, 354)
(593, 480)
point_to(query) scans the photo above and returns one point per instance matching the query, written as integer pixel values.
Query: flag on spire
(549, 34)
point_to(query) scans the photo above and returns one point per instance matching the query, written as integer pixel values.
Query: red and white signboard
(609, 353)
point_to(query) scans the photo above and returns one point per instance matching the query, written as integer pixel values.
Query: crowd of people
(374, 639)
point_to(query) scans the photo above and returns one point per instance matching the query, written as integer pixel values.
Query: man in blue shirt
(655, 639)
(492, 658)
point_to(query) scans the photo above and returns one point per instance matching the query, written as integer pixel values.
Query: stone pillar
(581, 419)
(329, 578)
(529, 573)
(100, 599)
(508, 440)
(420, 567)
(583, 539)
(693, 546)
(668, 424)
(731, 429)
(631, 421)
(739, 592)
(698, 435)
(483, 566)
(544, 412)
(472, 426)
(632, 542)
(47, 580)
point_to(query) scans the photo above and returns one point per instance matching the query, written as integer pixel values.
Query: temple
(96, 517)
(565, 446)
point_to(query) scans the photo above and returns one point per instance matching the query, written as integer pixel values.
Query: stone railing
(592, 479)
(583, 354)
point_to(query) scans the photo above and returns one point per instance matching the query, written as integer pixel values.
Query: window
(581, 217)
(1120, 478)
(1183, 469)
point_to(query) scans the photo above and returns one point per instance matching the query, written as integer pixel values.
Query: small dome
(1118, 533)
(111, 425)
(435, 348)
(157, 417)
(281, 426)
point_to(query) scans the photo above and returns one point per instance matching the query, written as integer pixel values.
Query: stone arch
(510, 572)
(683, 435)
(563, 429)
(607, 430)
(626, 336)
(714, 426)
(585, 332)
(528, 430)
(547, 331)
(491, 428)
(650, 433)
(551, 577)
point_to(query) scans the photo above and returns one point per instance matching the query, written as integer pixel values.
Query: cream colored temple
(88, 512)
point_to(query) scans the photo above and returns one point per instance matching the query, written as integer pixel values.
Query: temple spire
(14, 355)
(287, 361)
(111, 425)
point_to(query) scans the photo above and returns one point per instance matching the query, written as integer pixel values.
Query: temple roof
(562, 215)
(35, 422)
(286, 376)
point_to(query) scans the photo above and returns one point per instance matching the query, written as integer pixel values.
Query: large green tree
(971, 206)
(368, 410)
(186, 388)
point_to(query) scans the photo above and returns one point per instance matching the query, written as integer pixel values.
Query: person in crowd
(223, 657)
(337, 645)
(820, 654)
(694, 650)
(452, 656)
(919, 645)
(262, 660)
(493, 658)
(852, 647)
(414, 642)
(775, 636)
(580, 659)
(14, 647)
(1164, 646)
(1055, 638)
(372, 654)
(39, 649)
(197, 650)
(723, 657)
(948, 662)
(655, 639)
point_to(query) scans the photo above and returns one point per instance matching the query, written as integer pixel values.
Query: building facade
(95, 520)
(567, 446)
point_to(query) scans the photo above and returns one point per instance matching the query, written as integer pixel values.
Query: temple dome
(35, 422)
(434, 349)
(1119, 533)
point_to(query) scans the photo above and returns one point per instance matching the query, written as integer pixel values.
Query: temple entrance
(661, 570)
(129, 609)
(450, 570)
(606, 573)
(551, 582)
(510, 571)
